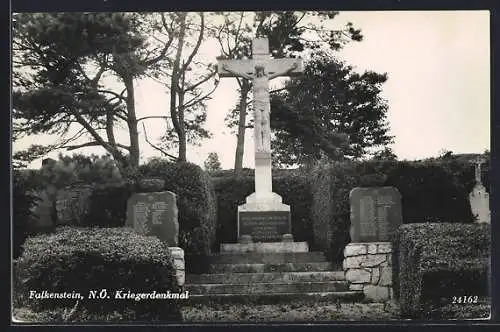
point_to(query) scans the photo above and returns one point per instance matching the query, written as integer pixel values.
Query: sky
(438, 91)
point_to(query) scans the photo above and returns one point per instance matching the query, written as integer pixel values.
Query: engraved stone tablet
(154, 213)
(264, 226)
(375, 213)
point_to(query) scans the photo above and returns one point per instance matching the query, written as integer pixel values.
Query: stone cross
(260, 69)
(477, 163)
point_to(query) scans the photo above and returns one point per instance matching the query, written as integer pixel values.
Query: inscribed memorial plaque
(375, 213)
(154, 213)
(264, 226)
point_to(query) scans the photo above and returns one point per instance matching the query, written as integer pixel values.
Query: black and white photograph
(228, 167)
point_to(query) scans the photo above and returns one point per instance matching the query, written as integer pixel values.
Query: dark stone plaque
(264, 226)
(375, 213)
(154, 213)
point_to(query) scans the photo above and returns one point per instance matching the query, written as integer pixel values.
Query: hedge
(232, 189)
(435, 261)
(84, 259)
(432, 191)
(196, 202)
(23, 218)
(330, 210)
(108, 205)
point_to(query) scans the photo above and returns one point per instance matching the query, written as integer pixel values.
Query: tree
(59, 63)
(62, 59)
(188, 82)
(385, 154)
(212, 162)
(290, 34)
(330, 111)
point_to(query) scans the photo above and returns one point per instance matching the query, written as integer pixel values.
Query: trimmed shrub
(330, 210)
(108, 205)
(196, 202)
(87, 259)
(436, 261)
(430, 193)
(23, 218)
(232, 189)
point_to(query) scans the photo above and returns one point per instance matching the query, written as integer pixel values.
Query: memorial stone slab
(264, 226)
(72, 204)
(375, 213)
(154, 213)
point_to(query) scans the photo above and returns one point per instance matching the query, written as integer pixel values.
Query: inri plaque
(375, 213)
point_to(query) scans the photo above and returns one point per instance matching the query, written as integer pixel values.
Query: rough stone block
(375, 276)
(353, 262)
(384, 248)
(356, 287)
(358, 276)
(287, 238)
(181, 277)
(372, 248)
(355, 249)
(376, 293)
(373, 260)
(385, 276)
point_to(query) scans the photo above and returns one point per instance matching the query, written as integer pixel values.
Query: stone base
(179, 264)
(368, 268)
(264, 217)
(231, 248)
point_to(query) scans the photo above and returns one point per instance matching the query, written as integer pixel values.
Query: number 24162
(464, 299)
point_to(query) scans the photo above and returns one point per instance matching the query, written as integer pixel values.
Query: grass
(294, 312)
(202, 313)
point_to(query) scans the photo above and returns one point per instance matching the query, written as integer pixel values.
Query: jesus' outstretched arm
(248, 77)
(294, 66)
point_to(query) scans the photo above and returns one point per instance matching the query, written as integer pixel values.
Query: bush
(23, 218)
(196, 202)
(430, 192)
(436, 261)
(330, 210)
(232, 189)
(108, 205)
(85, 259)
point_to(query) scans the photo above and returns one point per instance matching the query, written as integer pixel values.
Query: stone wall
(179, 264)
(368, 268)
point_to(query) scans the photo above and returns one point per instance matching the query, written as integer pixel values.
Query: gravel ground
(290, 312)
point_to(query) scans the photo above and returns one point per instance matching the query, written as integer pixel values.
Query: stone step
(232, 248)
(275, 298)
(268, 258)
(278, 277)
(261, 268)
(264, 288)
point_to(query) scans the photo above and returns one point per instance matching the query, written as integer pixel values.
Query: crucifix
(260, 70)
(477, 163)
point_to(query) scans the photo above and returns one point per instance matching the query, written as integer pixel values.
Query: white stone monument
(264, 209)
(479, 197)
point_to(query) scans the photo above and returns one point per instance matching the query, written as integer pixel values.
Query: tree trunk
(240, 145)
(174, 92)
(132, 123)
(182, 130)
